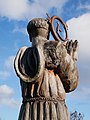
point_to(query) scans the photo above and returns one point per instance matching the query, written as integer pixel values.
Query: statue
(47, 71)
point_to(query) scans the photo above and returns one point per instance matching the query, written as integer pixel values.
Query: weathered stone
(47, 71)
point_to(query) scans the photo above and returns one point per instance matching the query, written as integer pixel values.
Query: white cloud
(6, 96)
(5, 90)
(24, 9)
(9, 63)
(4, 75)
(80, 94)
(85, 6)
(8, 68)
(20, 30)
(11, 102)
(14, 9)
(79, 28)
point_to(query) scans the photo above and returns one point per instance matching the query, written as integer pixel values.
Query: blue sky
(14, 17)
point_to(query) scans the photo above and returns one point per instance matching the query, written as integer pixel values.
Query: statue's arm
(67, 69)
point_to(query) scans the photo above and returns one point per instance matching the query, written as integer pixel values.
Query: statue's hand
(72, 49)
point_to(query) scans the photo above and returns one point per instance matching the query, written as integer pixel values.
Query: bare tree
(76, 116)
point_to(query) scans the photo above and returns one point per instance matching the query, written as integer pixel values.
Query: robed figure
(47, 71)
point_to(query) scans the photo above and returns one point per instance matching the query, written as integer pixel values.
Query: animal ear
(75, 48)
(69, 47)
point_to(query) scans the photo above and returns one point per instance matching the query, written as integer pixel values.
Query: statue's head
(38, 27)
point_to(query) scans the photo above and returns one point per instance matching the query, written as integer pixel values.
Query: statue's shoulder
(54, 46)
(50, 44)
(23, 50)
(22, 53)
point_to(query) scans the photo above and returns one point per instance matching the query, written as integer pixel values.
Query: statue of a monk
(47, 71)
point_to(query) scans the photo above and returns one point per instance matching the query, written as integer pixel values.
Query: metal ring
(56, 36)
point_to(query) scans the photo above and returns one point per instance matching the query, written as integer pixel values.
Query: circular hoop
(57, 36)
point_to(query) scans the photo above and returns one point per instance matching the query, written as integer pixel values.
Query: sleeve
(27, 64)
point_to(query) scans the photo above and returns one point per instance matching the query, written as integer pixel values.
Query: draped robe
(47, 72)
